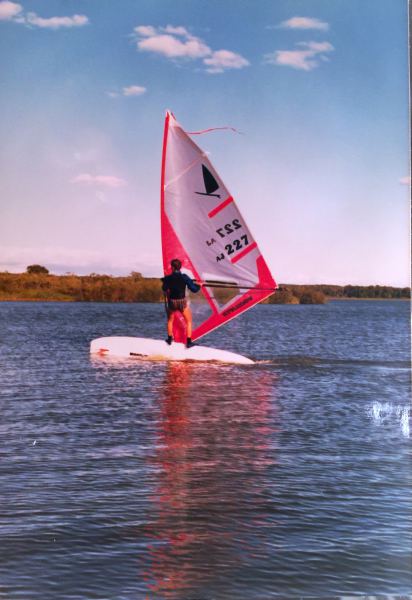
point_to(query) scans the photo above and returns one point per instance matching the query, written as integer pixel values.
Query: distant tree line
(78, 288)
(369, 291)
(38, 284)
(319, 294)
(297, 294)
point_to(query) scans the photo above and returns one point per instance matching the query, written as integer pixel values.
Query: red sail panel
(172, 247)
(240, 303)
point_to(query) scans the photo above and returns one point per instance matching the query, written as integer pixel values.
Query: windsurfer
(174, 287)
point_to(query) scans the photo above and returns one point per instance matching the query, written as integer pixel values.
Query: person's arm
(193, 287)
(164, 284)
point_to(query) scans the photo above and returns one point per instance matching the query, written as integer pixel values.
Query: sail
(202, 226)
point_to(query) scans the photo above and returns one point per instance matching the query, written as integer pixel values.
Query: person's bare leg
(187, 314)
(170, 323)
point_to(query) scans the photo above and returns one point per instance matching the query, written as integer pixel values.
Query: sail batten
(202, 226)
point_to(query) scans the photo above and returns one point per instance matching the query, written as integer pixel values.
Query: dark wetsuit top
(175, 285)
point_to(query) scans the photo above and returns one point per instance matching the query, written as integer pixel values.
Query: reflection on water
(212, 452)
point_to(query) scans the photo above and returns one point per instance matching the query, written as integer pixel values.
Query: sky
(317, 88)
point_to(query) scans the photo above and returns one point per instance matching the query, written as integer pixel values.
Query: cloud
(9, 10)
(131, 90)
(134, 90)
(317, 46)
(56, 22)
(145, 30)
(177, 43)
(225, 59)
(108, 181)
(405, 180)
(172, 47)
(177, 30)
(304, 23)
(306, 58)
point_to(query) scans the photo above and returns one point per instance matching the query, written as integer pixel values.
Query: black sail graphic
(211, 185)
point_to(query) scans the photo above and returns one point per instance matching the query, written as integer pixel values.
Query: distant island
(37, 284)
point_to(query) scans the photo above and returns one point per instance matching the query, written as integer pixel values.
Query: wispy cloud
(128, 91)
(145, 30)
(177, 43)
(133, 90)
(9, 10)
(107, 181)
(307, 57)
(304, 23)
(405, 180)
(224, 59)
(56, 22)
(12, 11)
(177, 30)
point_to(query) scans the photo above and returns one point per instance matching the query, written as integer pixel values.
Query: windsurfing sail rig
(202, 227)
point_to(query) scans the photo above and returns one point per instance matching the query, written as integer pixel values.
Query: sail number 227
(228, 228)
(235, 244)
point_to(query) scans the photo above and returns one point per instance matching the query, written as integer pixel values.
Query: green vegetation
(319, 294)
(37, 269)
(39, 285)
(297, 294)
(75, 288)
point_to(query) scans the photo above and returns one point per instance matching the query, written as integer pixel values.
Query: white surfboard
(136, 347)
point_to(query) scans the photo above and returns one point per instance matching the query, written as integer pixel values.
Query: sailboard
(202, 226)
(149, 349)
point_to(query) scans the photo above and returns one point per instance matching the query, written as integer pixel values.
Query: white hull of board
(134, 347)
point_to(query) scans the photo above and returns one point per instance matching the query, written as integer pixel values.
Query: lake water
(127, 480)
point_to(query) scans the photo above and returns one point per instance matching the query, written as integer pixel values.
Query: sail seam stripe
(220, 207)
(244, 252)
(190, 166)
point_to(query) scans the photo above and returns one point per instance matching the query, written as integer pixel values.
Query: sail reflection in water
(213, 451)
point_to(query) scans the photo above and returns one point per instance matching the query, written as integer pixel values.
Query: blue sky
(319, 89)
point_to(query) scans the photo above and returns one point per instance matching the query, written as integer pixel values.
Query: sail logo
(211, 185)
(237, 306)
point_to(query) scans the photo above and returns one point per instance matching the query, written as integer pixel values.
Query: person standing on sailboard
(174, 287)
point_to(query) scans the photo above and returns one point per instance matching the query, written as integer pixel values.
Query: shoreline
(334, 298)
(72, 301)
(44, 287)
